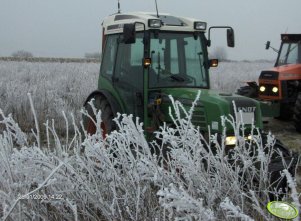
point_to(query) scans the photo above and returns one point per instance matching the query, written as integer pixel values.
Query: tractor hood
(212, 105)
(284, 72)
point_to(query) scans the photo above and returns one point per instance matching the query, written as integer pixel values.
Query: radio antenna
(118, 7)
(157, 8)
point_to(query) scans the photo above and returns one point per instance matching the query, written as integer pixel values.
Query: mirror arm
(274, 49)
(141, 23)
(215, 27)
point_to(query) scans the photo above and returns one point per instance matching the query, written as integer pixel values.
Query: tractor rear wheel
(247, 91)
(107, 124)
(297, 113)
(285, 112)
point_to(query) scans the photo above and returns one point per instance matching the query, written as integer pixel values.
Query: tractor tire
(285, 112)
(276, 180)
(107, 116)
(247, 91)
(276, 166)
(297, 113)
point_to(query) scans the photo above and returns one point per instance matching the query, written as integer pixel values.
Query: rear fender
(112, 101)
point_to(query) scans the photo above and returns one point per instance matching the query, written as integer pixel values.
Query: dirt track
(284, 131)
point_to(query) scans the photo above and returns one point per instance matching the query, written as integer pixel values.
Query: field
(54, 87)
(57, 173)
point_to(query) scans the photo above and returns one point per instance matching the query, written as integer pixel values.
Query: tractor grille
(247, 106)
(199, 117)
(271, 75)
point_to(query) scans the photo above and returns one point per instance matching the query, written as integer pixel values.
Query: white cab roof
(114, 23)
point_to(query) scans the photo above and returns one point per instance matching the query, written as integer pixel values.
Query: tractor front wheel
(297, 113)
(101, 104)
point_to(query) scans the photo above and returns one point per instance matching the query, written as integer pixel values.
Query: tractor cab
(290, 50)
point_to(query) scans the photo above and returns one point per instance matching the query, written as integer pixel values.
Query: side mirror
(267, 45)
(230, 37)
(129, 33)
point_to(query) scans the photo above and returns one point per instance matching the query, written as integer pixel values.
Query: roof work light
(154, 23)
(198, 25)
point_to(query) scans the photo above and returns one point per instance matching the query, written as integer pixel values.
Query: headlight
(262, 88)
(200, 25)
(154, 23)
(275, 89)
(230, 140)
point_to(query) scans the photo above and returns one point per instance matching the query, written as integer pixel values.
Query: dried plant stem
(38, 138)
(35, 190)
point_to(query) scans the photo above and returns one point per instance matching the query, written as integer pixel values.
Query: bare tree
(22, 54)
(94, 55)
(219, 53)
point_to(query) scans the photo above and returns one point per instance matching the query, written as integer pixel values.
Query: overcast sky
(71, 28)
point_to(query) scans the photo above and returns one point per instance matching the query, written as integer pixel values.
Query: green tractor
(145, 58)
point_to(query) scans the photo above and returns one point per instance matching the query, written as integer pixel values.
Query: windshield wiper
(201, 64)
(289, 51)
(183, 78)
(177, 77)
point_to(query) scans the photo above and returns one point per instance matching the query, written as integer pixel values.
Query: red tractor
(279, 88)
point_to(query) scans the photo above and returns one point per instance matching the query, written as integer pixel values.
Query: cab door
(128, 75)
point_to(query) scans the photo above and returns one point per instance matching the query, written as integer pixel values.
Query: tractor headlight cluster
(262, 88)
(231, 140)
(269, 90)
(275, 89)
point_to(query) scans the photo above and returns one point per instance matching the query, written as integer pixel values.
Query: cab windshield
(178, 60)
(289, 54)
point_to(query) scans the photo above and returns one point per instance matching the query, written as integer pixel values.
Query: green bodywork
(210, 107)
(208, 111)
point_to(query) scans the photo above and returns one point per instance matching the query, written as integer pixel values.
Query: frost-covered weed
(179, 176)
(55, 87)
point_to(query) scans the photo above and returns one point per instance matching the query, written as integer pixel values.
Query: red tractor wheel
(100, 103)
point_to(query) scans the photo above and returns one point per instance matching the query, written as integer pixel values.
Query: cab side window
(109, 55)
(129, 68)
